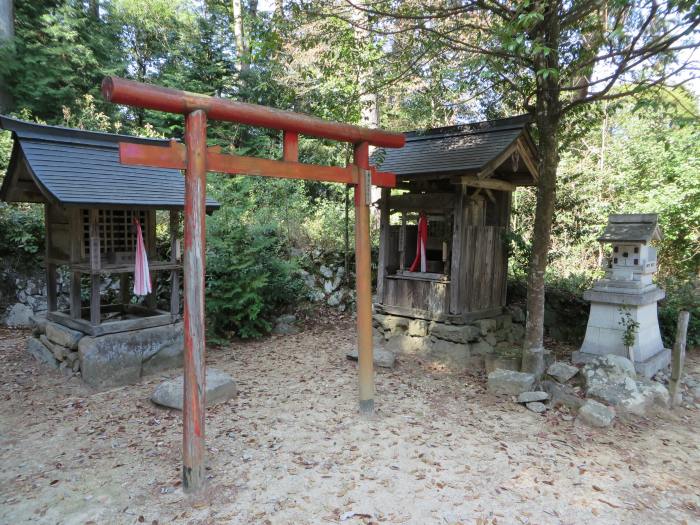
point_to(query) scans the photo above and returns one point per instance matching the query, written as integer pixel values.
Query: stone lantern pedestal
(627, 295)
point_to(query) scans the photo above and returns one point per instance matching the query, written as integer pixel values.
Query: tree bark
(94, 9)
(369, 101)
(7, 31)
(242, 60)
(548, 118)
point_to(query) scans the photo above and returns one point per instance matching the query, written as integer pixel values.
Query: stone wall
(327, 283)
(21, 296)
(456, 346)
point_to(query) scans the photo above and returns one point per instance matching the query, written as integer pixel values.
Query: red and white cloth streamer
(142, 278)
(421, 245)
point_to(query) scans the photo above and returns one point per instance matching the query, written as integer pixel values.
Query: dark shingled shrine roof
(464, 148)
(633, 227)
(76, 167)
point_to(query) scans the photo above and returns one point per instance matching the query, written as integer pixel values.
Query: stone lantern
(624, 302)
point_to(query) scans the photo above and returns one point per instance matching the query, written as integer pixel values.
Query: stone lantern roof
(632, 227)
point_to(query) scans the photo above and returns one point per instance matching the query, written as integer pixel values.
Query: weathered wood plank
(427, 202)
(487, 184)
(456, 299)
(95, 299)
(175, 274)
(383, 241)
(110, 327)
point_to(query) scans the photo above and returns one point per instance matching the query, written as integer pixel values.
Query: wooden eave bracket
(174, 156)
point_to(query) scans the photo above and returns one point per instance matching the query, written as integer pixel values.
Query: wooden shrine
(91, 202)
(462, 178)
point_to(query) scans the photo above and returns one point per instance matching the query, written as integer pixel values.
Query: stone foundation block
(455, 333)
(62, 335)
(122, 358)
(508, 382)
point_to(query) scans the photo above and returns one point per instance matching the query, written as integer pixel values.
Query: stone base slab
(647, 368)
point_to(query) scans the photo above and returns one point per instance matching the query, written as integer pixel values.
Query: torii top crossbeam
(197, 159)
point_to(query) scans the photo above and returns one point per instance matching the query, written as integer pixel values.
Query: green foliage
(680, 295)
(629, 326)
(248, 279)
(21, 233)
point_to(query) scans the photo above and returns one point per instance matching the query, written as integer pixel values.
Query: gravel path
(292, 449)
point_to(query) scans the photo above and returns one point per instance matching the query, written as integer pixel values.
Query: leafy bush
(248, 279)
(680, 295)
(21, 233)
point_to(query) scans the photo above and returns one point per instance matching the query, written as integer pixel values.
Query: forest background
(640, 153)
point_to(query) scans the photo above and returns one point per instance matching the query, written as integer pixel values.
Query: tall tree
(7, 32)
(243, 61)
(552, 57)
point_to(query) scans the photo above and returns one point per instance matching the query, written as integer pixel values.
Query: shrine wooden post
(196, 159)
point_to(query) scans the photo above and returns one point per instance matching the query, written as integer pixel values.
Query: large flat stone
(381, 356)
(509, 382)
(455, 333)
(612, 379)
(531, 397)
(42, 354)
(62, 335)
(219, 387)
(122, 358)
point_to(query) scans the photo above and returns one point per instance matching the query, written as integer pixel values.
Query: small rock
(287, 319)
(220, 387)
(536, 407)
(18, 315)
(509, 382)
(37, 349)
(530, 397)
(59, 352)
(563, 395)
(561, 371)
(595, 414)
(285, 329)
(335, 298)
(62, 335)
(381, 356)
(38, 323)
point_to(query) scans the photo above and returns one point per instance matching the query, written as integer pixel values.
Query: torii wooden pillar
(196, 159)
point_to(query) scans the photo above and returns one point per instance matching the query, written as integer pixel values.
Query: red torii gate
(196, 159)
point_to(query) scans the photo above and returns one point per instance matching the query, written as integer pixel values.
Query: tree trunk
(242, 59)
(94, 9)
(7, 31)
(548, 118)
(369, 101)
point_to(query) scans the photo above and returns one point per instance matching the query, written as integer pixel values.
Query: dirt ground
(291, 449)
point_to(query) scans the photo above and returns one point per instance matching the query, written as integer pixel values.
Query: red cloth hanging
(142, 277)
(421, 245)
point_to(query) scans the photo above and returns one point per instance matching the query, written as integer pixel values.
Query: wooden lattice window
(117, 234)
